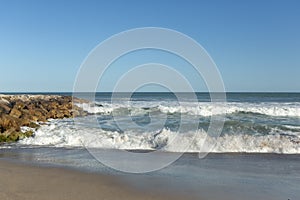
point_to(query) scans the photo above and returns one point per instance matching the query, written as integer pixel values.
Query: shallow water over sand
(217, 176)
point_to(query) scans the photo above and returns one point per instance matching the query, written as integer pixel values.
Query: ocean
(254, 122)
(257, 151)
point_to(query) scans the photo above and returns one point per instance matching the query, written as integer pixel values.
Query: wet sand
(49, 173)
(24, 182)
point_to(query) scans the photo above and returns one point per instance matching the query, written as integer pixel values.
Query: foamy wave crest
(59, 133)
(199, 108)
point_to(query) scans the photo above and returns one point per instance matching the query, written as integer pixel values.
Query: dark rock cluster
(27, 110)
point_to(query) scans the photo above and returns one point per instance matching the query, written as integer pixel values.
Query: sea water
(254, 122)
(256, 156)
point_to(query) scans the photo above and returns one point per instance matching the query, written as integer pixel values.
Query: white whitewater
(201, 108)
(63, 133)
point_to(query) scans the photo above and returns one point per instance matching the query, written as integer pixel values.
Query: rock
(15, 113)
(26, 110)
(19, 105)
(59, 115)
(25, 134)
(4, 108)
(75, 113)
(33, 125)
(11, 135)
(51, 114)
(8, 122)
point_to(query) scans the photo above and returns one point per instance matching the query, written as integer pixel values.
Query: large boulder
(15, 113)
(4, 108)
(8, 122)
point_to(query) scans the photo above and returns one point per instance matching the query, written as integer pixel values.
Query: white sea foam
(60, 133)
(201, 108)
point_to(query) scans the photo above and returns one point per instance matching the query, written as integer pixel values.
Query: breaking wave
(63, 133)
(198, 108)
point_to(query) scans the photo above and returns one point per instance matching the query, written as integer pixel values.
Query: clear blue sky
(255, 43)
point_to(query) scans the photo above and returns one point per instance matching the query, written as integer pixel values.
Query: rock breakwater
(17, 111)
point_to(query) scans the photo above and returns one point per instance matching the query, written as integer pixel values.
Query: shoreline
(216, 177)
(30, 182)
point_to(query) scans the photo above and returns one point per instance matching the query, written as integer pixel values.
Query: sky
(254, 43)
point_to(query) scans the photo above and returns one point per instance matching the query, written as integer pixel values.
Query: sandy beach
(32, 174)
(26, 182)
